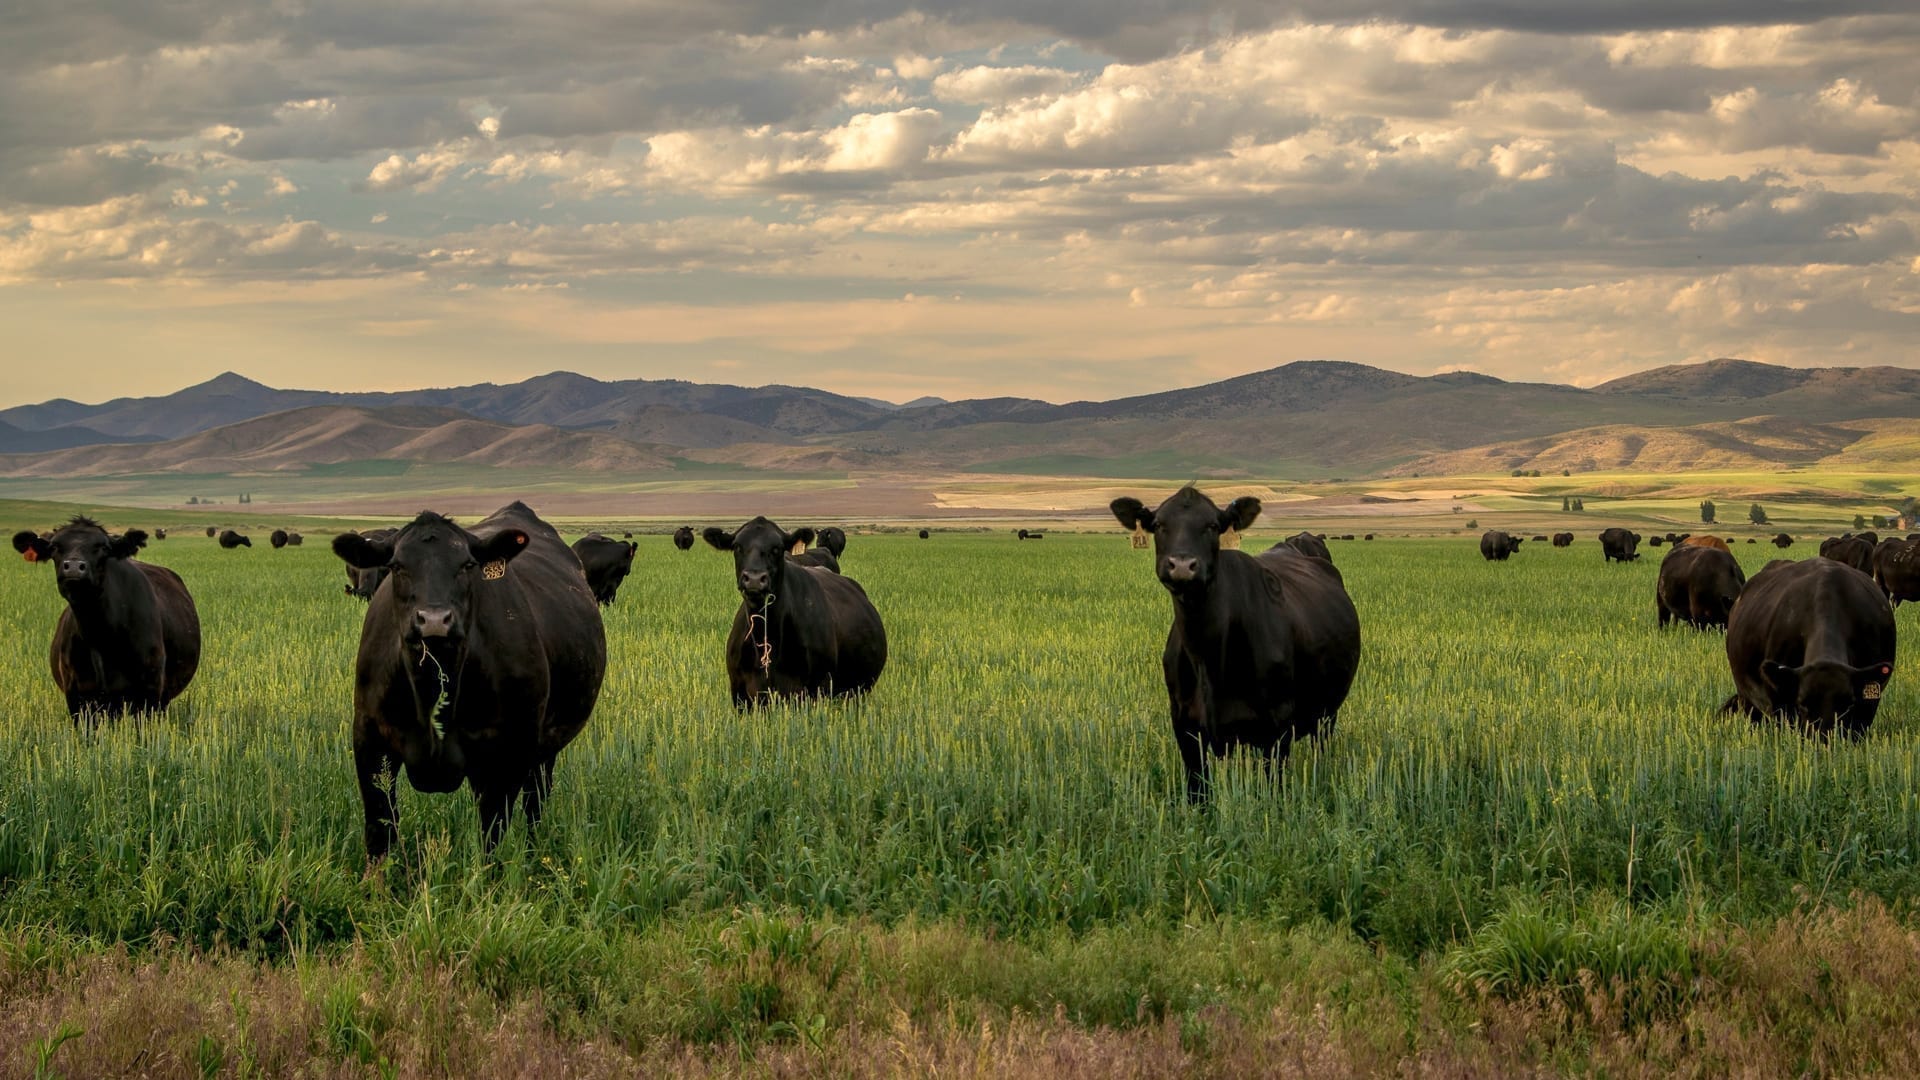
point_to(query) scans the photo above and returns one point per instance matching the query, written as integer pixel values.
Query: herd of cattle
(482, 651)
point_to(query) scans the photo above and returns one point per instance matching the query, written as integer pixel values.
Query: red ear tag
(30, 555)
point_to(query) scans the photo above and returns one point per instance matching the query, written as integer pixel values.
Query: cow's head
(1825, 692)
(80, 552)
(1186, 533)
(433, 569)
(760, 551)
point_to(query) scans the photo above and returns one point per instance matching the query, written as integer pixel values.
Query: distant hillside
(1762, 442)
(328, 435)
(1304, 419)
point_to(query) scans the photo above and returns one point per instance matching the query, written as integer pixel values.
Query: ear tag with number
(1870, 692)
(494, 570)
(1139, 538)
(799, 548)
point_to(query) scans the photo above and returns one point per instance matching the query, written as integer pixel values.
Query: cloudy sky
(1058, 198)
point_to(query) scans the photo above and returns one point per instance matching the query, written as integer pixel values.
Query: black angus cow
(480, 658)
(1782, 541)
(1617, 545)
(159, 534)
(364, 583)
(605, 562)
(1262, 650)
(212, 532)
(1369, 536)
(294, 539)
(129, 640)
(1698, 586)
(924, 534)
(230, 540)
(1854, 551)
(810, 556)
(683, 538)
(278, 539)
(1811, 642)
(1540, 539)
(801, 630)
(1896, 569)
(1655, 541)
(1028, 534)
(834, 539)
(1495, 544)
(1306, 544)
(1565, 539)
(1349, 536)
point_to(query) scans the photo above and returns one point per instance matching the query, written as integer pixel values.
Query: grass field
(1530, 844)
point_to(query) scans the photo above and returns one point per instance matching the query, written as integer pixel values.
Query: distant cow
(605, 563)
(1782, 541)
(1030, 534)
(1708, 542)
(159, 534)
(1540, 539)
(683, 538)
(1698, 586)
(924, 534)
(800, 631)
(129, 639)
(1811, 642)
(1896, 569)
(1565, 539)
(294, 539)
(480, 659)
(834, 539)
(1854, 551)
(1306, 544)
(1618, 545)
(230, 540)
(1262, 650)
(1369, 536)
(363, 583)
(1655, 541)
(278, 539)
(1346, 536)
(1497, 545)
(212, 532)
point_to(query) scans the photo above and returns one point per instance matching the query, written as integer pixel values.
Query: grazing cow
(1306, 544)
(1497, 545)
(605, 563)
(1854, 551)
(1751, 540)
(212, 532)
(683, 538)
(801, 631)
(1369, 536)
(278, 539)
(294, 539)
(1655, 541)
(1811, 642)
(1708, 542)
(159, 534)
(1698, 585)
(1896, 569)
(1540, 539)
(480, 658)
(1263, 648)
(1617, 545)
(364, 583)
(1346, 536)
(626, 536)
(129, 640)
(1782, 541)
(230, 540)
(924, 534)
(1565, 539)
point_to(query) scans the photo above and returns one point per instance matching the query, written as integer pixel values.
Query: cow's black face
(1186, 534)
(1824, 693)
(433, 567)
(79, 552)
(760, 550)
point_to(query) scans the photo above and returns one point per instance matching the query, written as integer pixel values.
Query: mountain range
(1309, 418)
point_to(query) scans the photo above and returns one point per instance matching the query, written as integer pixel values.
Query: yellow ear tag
(799, 548)
(494, 570)
(1230, 540)
(1139, 538)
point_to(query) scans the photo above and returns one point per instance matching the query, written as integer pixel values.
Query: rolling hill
(1304, 419)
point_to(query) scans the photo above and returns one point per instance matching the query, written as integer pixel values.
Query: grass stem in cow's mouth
(440, 701)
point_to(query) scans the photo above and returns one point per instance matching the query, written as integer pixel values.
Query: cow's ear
(1780, 676)
(361, 553)
(804, 536)
(30, 545)
(1132, 513)
(717, 538)
(1872, 673)
(499, 547)
(129, 543)
(1240, 514)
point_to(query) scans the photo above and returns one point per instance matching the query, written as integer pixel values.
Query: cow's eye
(468, 565)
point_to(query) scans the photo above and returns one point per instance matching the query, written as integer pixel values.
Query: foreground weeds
(1821, 992)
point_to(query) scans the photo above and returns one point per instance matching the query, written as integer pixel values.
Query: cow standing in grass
(683, 538)
(606, 563)
(1618, 545)
(1262, 650)
(1812, 643)
(1698, 585)
(801, 630)
(129, 639)
(1498, 546)
(481, 657)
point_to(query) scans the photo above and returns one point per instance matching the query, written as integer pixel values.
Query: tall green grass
(1520, 734)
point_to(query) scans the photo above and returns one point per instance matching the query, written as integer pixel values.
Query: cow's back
(566, 618)
(1790, 606)
(1322, 624)
(179, 625)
